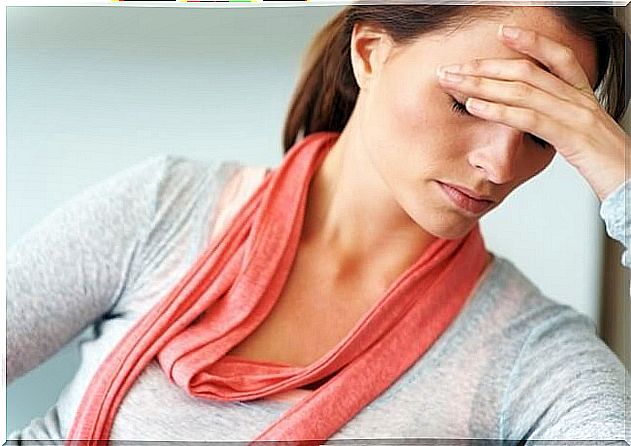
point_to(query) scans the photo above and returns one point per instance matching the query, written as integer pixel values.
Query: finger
(558, 58)
(527, 120)
(521, 95)
(524, 70)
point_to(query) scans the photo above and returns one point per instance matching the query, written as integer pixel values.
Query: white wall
(91, 90)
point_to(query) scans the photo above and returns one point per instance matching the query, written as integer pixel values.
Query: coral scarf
(233, 286)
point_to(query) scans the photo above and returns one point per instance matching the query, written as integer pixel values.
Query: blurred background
(92, 90)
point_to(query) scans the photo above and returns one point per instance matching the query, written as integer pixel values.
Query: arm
(70, 269)
(618, 219)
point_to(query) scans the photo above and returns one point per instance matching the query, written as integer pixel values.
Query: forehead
(476, 38)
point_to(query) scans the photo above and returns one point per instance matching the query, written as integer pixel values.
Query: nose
(497, 153)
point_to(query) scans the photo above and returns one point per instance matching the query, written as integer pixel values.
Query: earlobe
(367, 47)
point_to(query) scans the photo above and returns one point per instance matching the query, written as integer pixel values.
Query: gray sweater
(514, 365)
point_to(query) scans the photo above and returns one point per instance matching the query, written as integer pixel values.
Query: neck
(352, 217)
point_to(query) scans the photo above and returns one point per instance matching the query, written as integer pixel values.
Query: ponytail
(326, 93)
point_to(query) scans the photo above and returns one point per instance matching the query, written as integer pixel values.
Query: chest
(311, 317)
(425, 405)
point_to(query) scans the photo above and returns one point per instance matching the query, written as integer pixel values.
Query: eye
(461, 109)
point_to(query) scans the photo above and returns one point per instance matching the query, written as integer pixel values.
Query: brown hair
(326, 92)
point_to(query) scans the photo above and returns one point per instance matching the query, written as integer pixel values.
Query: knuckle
(501, 112)
(530, 38)
(475, 81)
(566, 55)
(525, 68)
(530, 120)
(520, 91)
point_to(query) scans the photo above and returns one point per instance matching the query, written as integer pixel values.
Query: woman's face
(415, 139)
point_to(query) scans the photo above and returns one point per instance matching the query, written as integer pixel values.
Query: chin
(453, 234)
(442, 222)
(451, 230)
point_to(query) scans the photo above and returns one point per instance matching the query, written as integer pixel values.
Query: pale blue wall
(91, 90)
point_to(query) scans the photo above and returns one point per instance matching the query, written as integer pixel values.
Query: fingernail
(476, 104)
(452, 77)
(510, 32)
(451, 68)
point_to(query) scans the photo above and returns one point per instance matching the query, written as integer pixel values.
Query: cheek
(402, 99)
(533, 163)
(540, 161)
(408, 128)
(393, 125)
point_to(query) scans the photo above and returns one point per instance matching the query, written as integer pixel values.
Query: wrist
(604, 173)
(606, 176)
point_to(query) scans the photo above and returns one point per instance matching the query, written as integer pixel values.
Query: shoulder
(237, 189)
(510, 301)
(186, 191)
(563, 381)
(176, 181)
(182, 197)
(535, 321)
(539, 337)
(175, 172)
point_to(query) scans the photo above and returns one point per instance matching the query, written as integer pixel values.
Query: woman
(347, 293)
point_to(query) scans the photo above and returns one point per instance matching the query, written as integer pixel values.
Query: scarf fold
(233, 287)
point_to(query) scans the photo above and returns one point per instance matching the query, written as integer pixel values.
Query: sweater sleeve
(613, 210)
(69, 269)
(566, 384)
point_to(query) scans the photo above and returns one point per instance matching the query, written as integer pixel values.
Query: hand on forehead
(544, 31)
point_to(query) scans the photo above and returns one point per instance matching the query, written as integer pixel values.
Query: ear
(369, 50)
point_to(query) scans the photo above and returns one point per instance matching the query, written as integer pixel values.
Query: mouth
(474, 205)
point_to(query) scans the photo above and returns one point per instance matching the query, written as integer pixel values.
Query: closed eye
(461, 109)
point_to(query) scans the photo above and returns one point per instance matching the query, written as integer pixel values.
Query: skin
(374, 206)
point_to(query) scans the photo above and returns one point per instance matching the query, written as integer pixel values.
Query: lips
(470, 193)
(463, 200)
